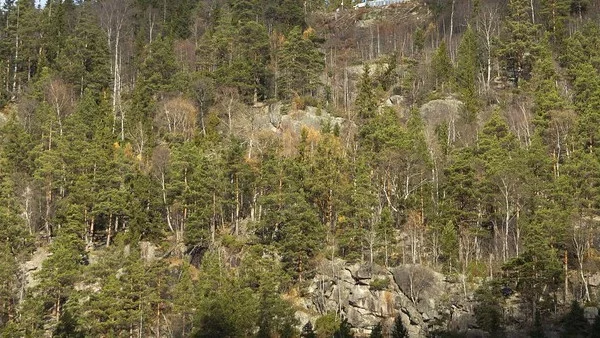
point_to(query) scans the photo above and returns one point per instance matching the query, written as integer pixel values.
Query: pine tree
(84, 60)
(366, 101)
(467, 70)
(578, 7)
(238, 51)
(185, 298)
(538, 268)
(377, 331)
(441, 67)
(555, 15)
(156, 71)
(55, 23)
(300, 64)
(22, 35)
(547, 98)
(286, 14)
(307, 331)
(344, 331)
(463, 195)
(538, 330)
(488, 311)
(9, 281)
(62, 270)
(517, 47)
(227, 308)
(353, 225)
(578, 51)
(398, 330)
(575, 323)
(267, 278)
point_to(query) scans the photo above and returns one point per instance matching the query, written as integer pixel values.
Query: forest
(186, 168)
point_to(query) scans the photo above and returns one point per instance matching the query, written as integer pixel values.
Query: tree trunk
(91, 230)
(57, 307)
(451, 28)
(214, 220)
(108, 230)
(506, 222)
(237, 205)
(48, 203)
(164, 195)
(14, 85)
(566, 266)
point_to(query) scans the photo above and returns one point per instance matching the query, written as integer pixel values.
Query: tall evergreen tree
(467, 71)
(398, 329)
(300, 64)
(575, 323)
(366, 100)
(441, 66)
(555, 16)
(517, 47)
(377, 331)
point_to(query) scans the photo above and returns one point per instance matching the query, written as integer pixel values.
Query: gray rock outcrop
(367, 295)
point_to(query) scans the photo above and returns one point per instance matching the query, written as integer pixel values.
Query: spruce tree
(537, 331)
(467, 70)
(377, 331)
(62, 270)
(300, 64)
(84, 61)
(344, 331)
(441, 67)
(366, 101)
(308, 331)
(555, 16)
(398, 329)
(574, 322)
(547, 98)
(488, 311)
(517, 46)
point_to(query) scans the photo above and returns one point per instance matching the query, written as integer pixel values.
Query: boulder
(361, 318)
(304, 317)
(590, 313)
(384, 304)
(436, 112)
(360, 272)
(147, 251)
(339, 295)
(396, 100)
(421, 284)
(345, 277)
(594, 280)
(359, 294)
(311, 117)
(462, 321)
(34, 264)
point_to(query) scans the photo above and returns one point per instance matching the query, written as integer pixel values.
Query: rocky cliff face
(427, 301)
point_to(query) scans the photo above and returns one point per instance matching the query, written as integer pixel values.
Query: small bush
(379, 284)
(327, 325)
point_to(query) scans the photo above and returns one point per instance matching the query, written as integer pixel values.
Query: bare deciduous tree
(487, 25)
(59, 95)
(177, 116)
(414, 279)
(114, 15)
(160, 165)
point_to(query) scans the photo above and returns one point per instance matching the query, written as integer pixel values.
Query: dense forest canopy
(149, 166)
